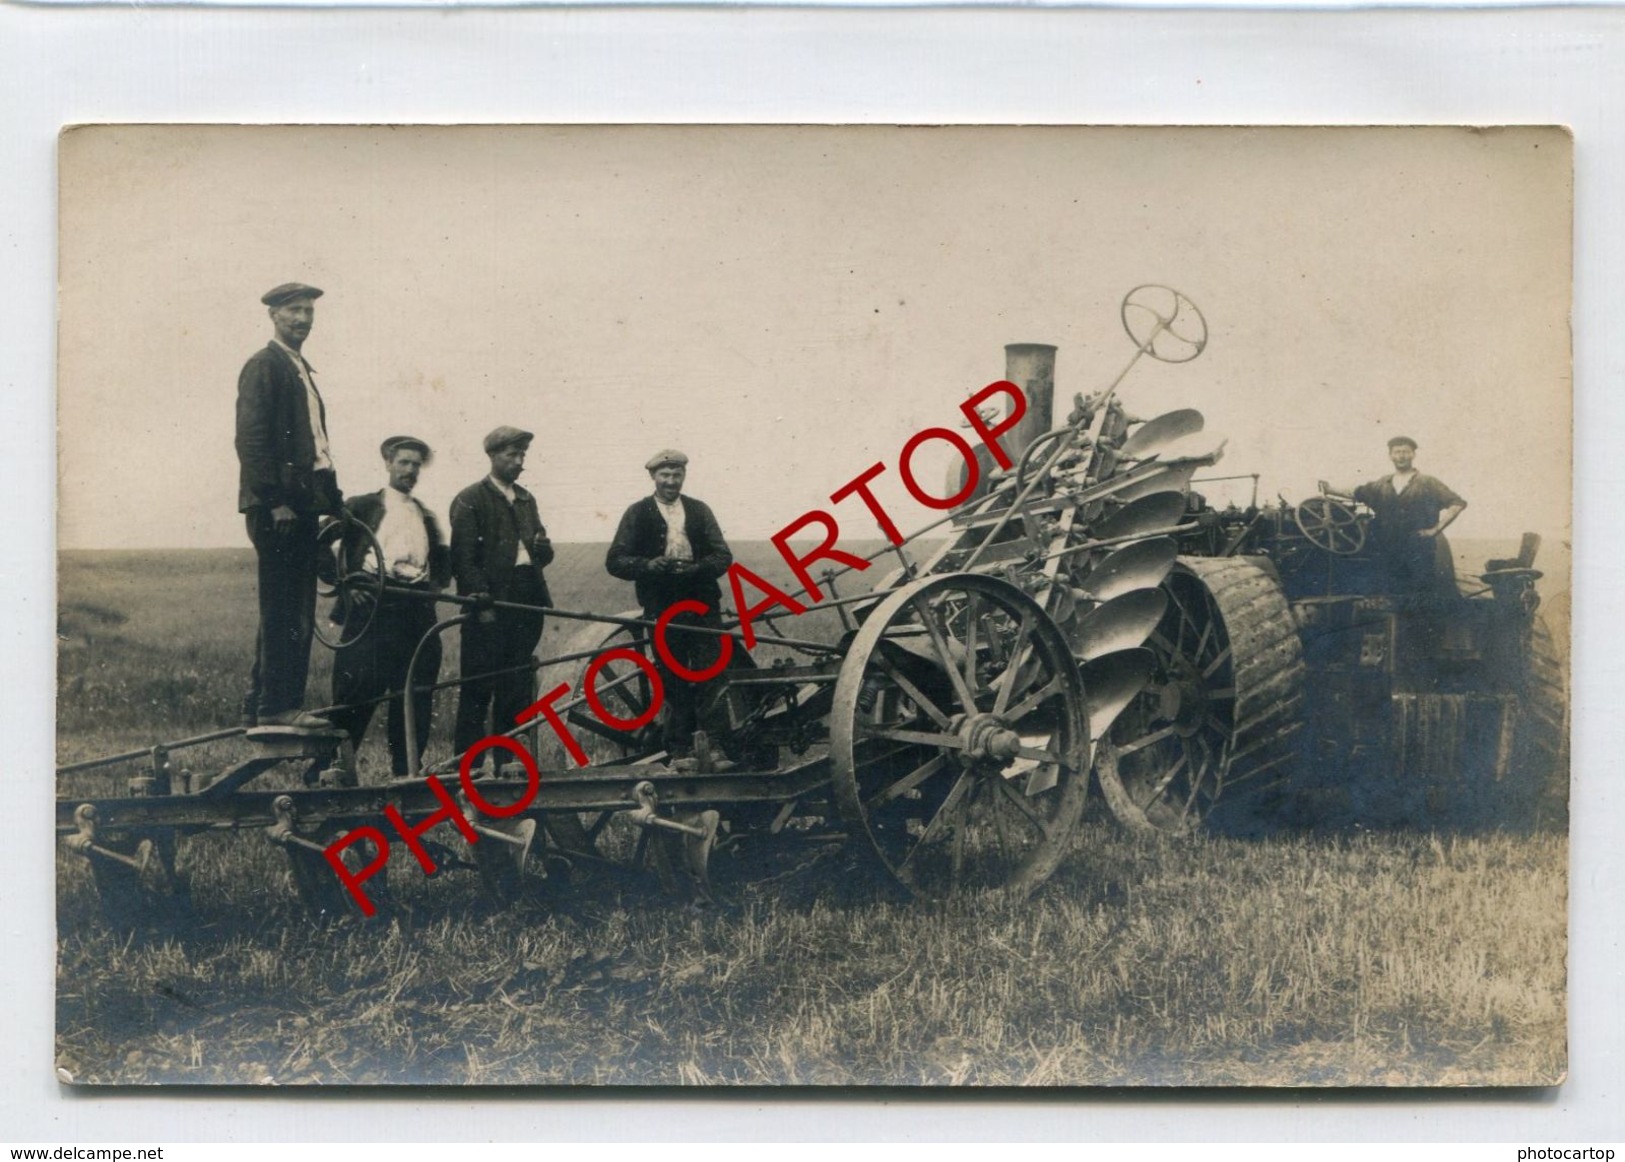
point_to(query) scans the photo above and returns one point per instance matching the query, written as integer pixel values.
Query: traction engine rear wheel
(1220, 715)
(959, 737)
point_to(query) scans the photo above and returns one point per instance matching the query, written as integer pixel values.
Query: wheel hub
(1183, 698)
(986, 740)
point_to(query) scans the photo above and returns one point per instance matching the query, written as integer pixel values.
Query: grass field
(1354, 959)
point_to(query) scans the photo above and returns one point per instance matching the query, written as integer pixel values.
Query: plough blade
(1149, 514)
(1110, 683)
(1141, 565)
(1170, 478)
(1120, 624)
(1152, 436)
(682, 859)
(501, 853)
(314, 878)
(135, 876)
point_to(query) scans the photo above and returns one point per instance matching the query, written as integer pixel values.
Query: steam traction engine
(1444, 706)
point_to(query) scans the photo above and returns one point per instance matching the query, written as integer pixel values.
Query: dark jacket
(641, 538)
(485, 535)
(276, 449)
(369, 510)
(1400, 515)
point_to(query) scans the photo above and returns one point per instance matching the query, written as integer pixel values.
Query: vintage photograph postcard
(813, 605)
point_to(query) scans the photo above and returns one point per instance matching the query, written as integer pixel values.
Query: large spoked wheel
(1212, 737)
(1331, 525)
(350, 582)
(1162, 765)
(959, 737)
(622, 686)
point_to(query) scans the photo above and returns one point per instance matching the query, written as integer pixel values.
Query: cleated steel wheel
(1219, 715)
(959, 740)
(1542, 757)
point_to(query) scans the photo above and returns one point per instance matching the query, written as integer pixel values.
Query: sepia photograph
(904, 606)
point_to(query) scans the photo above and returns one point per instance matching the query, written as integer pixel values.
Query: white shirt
(318, 429)
(403, 537)
(677, 546)
(522, 557)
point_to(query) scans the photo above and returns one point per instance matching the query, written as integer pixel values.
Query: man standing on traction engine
(286, 484)
(1412, 510)
(498, 551)
(671, 547)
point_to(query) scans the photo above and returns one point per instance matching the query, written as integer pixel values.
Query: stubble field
(1395, 958)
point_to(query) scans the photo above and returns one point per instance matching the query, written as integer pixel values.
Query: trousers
(287, 600)
(692, 651)
(375, 664)
(492, 705)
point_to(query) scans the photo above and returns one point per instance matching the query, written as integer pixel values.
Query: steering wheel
(1163, 323)
(353, 583)
(1330, 525)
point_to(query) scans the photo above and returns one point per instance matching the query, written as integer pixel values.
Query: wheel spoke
(950, 806)
(592, 726)
(1166, 781)
(1198, 777)
(623, 693)
(1030, 703)
(1020, 802)
(1018, 659)
(940, 644)
(1201, 645)
(908, 782)
(1144, 741)
(918, 737)
(973, 619)
(1223, 656)
(916, 695)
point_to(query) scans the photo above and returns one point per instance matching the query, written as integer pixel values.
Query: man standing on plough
(286, 485)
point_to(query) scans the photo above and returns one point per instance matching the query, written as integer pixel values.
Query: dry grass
(1393, 959)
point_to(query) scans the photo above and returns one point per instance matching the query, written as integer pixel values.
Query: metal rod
(131, 756)
(408, 696)
(605, 618)
(1062, 447)
(1144, 534)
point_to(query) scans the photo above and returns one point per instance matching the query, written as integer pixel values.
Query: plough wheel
(1219, 716)
(623, 687)
(959, 738)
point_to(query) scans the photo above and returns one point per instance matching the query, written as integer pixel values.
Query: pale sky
(790, 305)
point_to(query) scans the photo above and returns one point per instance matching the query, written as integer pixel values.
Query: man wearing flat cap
(499, 549)
(1411, 511)
(415, 558)
(286, 484)
(672, 549)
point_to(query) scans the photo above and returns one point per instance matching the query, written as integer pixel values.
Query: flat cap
(505, 436)
(395, 443)
(1398, 440)
(289, 291)
(669, 456)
